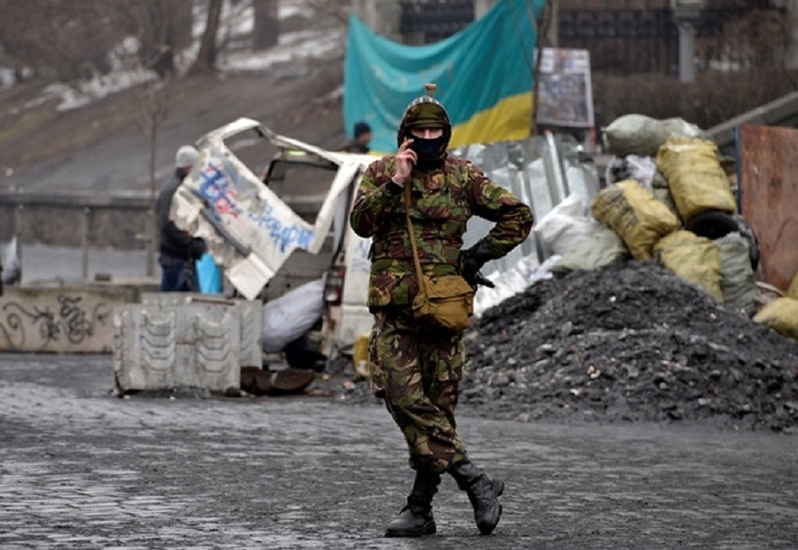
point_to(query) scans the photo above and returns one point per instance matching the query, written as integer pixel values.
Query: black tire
(715, 224)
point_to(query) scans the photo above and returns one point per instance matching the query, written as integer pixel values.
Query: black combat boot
(416, 519)
(483, 492)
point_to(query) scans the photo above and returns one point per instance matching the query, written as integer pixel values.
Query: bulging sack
(444, 303)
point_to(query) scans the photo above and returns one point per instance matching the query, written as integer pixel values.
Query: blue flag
(484, 75)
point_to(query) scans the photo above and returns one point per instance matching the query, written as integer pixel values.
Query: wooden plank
(768, 167)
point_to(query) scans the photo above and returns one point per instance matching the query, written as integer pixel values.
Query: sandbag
(642, 135)
(780, 315)
(601, 248)
(635, 215)
(695, 177)
(737, 279)
(693, 259)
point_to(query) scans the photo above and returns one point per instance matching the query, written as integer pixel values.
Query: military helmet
(425, 110)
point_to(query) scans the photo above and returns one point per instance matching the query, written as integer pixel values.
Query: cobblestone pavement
(82, 469)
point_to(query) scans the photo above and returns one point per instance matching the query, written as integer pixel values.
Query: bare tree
(206, 58)
(163, 28)
(154, 112)
(266, 29)
(67, 42)
(71, 41)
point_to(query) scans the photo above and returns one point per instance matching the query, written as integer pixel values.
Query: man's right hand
(405, 159)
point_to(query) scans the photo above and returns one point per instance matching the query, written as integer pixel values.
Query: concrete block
(251, 322)
(185, 340)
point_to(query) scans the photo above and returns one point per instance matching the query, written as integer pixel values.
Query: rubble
(625, 343)
(629, 342)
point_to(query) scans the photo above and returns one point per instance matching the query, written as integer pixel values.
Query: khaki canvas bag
(443, 303)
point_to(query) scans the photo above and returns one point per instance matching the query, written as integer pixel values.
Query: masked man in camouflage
(418, 373)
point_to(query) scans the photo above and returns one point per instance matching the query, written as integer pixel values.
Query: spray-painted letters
(281, 233)
(216, 189)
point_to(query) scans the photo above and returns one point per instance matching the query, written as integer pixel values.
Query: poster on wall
(565, 93)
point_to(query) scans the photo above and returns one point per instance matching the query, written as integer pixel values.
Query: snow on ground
(235, 22)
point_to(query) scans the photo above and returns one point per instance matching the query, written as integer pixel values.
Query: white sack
(565, 226)
(291, 315)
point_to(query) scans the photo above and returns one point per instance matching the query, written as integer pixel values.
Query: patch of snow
(96, 88)
(291, 47)
(237, 20)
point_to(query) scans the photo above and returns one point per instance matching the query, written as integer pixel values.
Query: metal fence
(542, 171)
(74, 220)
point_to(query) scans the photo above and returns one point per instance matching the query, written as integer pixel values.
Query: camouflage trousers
(419, 376)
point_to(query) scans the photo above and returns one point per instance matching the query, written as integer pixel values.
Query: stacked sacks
(687, 178)
(677, 208)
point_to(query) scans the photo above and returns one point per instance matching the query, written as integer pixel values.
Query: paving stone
(83, 469)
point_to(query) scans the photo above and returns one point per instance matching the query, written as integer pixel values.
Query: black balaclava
(422, 111)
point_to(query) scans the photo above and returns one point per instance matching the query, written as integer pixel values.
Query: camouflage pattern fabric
(420, 376)
(442, 201)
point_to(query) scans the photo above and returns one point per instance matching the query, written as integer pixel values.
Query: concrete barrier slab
(61, 319)
(180, 341)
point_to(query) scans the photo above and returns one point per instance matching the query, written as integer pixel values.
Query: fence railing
(123, 222)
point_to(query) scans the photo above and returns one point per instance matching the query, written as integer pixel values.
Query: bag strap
(410, 230)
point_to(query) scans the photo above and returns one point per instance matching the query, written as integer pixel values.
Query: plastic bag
(565, 226)
(209, 275)
(291, 315)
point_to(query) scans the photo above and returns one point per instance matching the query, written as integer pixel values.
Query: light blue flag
(484, 75)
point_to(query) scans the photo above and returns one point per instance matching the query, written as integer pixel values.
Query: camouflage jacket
(442, 200)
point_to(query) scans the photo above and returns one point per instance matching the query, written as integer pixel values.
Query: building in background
(623, 36)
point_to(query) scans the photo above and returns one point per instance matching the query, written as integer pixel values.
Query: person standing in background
(178, 248)
(360, 143)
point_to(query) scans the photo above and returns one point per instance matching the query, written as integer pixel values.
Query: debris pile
(628, 342)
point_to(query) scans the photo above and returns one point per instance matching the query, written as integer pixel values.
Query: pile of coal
(629, 342)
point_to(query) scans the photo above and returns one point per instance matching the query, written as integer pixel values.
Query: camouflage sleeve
(376, 198)
(491, 201)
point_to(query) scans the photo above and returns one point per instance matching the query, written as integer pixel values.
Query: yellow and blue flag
(484, 75)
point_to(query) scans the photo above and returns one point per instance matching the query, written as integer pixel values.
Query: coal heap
(629, 342)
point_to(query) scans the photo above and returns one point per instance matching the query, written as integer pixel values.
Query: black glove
(196, 248)
(471, 261)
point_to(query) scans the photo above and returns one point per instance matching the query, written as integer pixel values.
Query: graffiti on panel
(216, 189)
(70, 321)
(282, 234)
